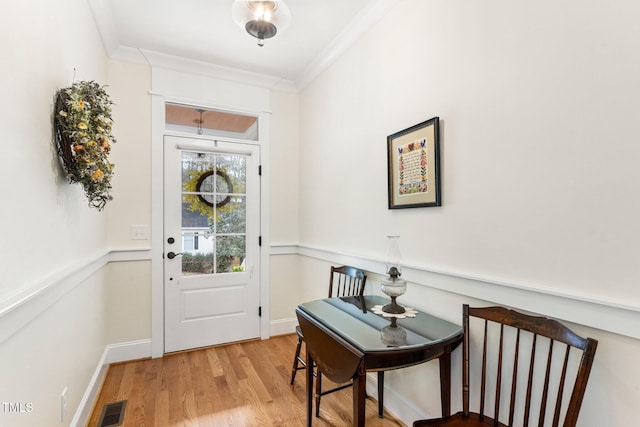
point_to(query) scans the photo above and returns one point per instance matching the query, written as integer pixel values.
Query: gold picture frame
(414, 166)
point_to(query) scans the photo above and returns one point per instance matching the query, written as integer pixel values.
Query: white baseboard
(394, 403)
(126, 351)
(113, 353)
(85, 407)
(283, 326)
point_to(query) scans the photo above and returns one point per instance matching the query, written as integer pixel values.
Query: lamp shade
(394, 257)
(261, 19)
(393, 286)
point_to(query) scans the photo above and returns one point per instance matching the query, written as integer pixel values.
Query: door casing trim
(158, 133)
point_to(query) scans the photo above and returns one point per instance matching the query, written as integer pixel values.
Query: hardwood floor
(242, 384)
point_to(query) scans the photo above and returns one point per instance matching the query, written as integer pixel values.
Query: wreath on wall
(82, 121)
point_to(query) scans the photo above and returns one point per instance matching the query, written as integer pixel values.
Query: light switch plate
(139, 232)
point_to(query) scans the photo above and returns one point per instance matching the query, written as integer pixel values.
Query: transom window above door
(203, 121)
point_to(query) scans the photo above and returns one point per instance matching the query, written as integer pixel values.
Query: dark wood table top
(351, 319)
(345, 339)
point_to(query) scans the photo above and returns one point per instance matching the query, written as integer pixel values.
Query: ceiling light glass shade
(261, 19)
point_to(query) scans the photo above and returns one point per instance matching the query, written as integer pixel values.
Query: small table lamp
(393, 286)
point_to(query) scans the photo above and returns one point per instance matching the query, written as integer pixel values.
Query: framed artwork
(414, 166)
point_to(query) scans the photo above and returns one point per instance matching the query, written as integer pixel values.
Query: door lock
(172, 255)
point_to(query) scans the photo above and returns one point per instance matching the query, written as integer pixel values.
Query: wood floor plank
(150, 390)
(204, 387)
(162, 409)
(236, 385)
(175, 387)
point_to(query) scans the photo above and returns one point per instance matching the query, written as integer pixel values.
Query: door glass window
(214, 211)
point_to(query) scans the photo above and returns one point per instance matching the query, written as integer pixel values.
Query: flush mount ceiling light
(261, 19)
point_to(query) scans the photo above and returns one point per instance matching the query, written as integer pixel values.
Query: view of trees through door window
(213, 213)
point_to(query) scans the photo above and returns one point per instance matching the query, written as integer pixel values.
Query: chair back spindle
(557, 362)
(346, 281)
(514, 380)
(551, 392)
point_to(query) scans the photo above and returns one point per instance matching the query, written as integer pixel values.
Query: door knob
(172, 255)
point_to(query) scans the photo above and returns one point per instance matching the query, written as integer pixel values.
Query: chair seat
(455, 420)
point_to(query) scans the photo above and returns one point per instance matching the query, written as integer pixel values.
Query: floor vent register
(112, 414)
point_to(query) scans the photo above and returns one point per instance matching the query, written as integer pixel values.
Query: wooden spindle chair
(344, 281)
(543, 395)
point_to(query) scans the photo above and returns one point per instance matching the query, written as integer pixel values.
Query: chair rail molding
(26, 305)
(612, 316)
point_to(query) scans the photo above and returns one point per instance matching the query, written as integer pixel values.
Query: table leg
(309, 374)
(445, 382)
(380, 393)
(359, 396)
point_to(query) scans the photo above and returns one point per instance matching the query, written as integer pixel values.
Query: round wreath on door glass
(214, 182)
(82, 122)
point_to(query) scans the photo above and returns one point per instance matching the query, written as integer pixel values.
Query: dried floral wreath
(82, 120)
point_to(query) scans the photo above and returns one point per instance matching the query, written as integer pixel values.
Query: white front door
(211, 248)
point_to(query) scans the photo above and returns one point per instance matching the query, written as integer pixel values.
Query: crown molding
(176, 63)
(363, 21)
(370, 15)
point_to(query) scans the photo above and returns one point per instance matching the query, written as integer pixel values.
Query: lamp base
(393, 307)
(393, 335)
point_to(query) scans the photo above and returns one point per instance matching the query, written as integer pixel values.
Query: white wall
(284, 166)
(44, 43)
(284, 199)
(128, 301)
(52, 336)
(129, 86)
(538, 106)
(57, 350)
(129, 293)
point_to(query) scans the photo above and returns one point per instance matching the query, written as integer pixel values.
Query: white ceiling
(203, 32)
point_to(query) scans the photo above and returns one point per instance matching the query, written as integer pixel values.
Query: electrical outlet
(63, 404)
(140, 232)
